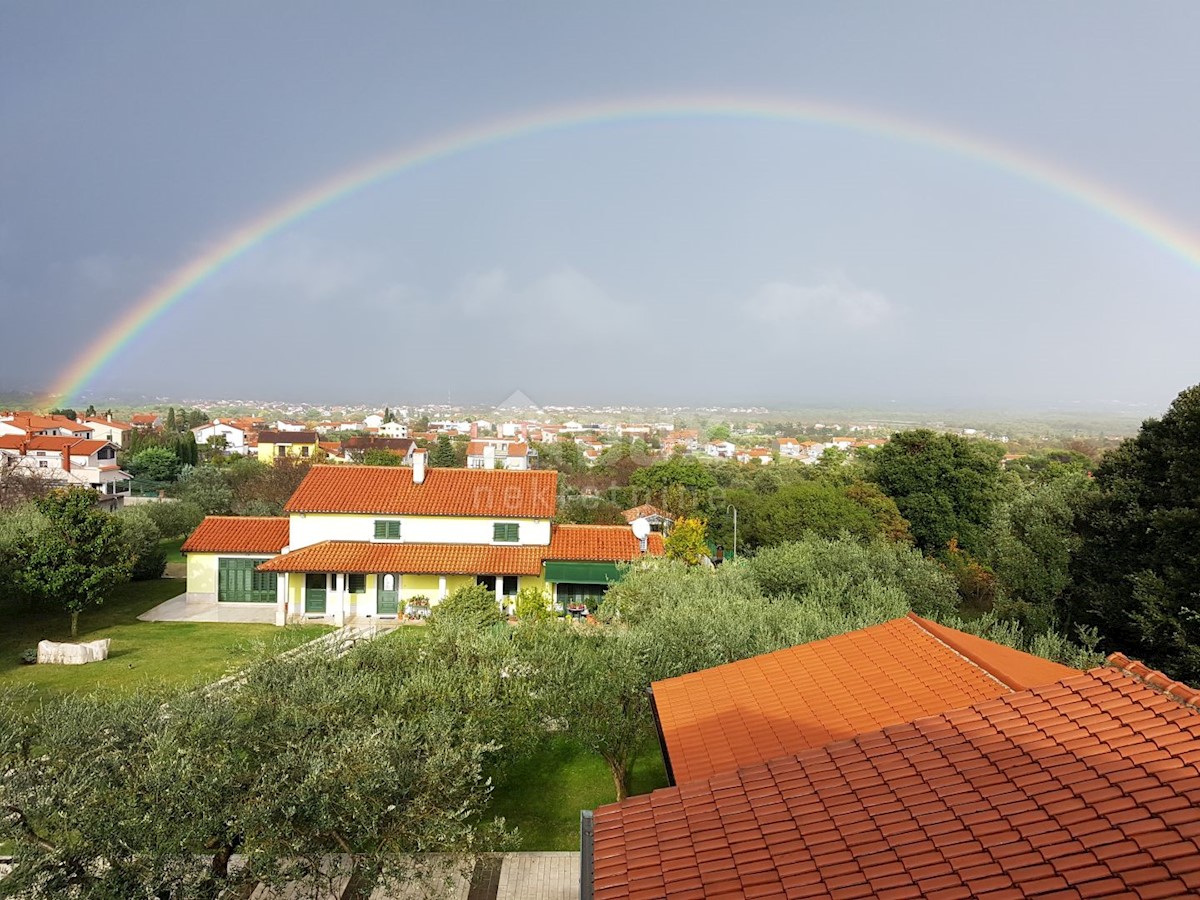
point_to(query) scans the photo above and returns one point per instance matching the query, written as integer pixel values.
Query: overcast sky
(695, 261)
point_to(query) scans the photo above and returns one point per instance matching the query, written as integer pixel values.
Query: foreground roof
(239, 534)
(601, 543)
(1087, 787)
(390, 490)
(779, 703)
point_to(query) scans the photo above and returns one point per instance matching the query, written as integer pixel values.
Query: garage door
(237, 582)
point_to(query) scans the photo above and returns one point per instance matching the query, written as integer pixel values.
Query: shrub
(472, 607)
(29, 656)
(533, 603)
(174, 518)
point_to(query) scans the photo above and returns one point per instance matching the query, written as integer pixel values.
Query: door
(388, 601)
(314, 592)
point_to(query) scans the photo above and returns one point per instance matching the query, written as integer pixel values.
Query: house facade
(69, 462)
(109, 429)
(274, 445)
(362, 542)
(235, 437)
(491, 453)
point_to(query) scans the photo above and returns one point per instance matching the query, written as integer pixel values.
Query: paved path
(513, 876)
(190, 608)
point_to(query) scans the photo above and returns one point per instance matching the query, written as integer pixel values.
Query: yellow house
(273, 445)
(363, 542)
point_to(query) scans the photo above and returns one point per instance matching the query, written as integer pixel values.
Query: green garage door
(237, 582)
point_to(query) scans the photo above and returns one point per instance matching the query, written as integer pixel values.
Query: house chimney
(66, 457)
(419, 466)
(474, 430)
(489, 456)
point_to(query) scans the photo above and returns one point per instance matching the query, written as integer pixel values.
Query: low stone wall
(72, 654)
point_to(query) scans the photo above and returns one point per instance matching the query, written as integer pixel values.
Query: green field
(142, 654)
(541, 796)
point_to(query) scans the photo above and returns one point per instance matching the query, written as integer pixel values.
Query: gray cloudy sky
(691, 261)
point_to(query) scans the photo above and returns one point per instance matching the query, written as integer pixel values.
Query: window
(42, 464)
(357, 584)
(505, 532)
(105, 453)
(304, 451)
(238, 582)
(387, 529)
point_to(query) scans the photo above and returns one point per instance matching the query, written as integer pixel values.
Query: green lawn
(152, 654)
(171, 548)
(542, 796)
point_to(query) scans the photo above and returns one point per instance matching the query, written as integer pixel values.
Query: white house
(720, 449)
(235, 438)
(69, 461)
(109, 429)
(393, 430)
(495, 453)
(285, 425)
(373, 421)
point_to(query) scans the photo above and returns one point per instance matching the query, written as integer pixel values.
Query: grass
(142, 654)
(542, 795)
(171, 548)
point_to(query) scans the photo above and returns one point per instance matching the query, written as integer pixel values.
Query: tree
(943, 484)
(1135, 573)
(173, 518)
(78, 558)
(443, 456)
(65, 411)
(155, 464)
(1030, 544)
(91, 412)
(686, 542)
(207, 488)
(143, 539)
(378, 755)
(170, 425)
(377, 457)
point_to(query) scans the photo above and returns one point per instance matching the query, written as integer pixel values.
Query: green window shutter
(358, 583)
(387, 530)
(506, 532)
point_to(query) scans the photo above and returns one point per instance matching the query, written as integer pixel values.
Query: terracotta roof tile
(896, 808)
(239, 534)
(767, 706)
(426, 559)
(606, 543)
(445, 492)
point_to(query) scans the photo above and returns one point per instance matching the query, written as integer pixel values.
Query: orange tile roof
(639, 512)
(239, 534)
(602, 543)
(585, 543)
(445, 492)
(1016, 669)
(1087, 787)
(417, 559)
(53, 442)
(757, 709)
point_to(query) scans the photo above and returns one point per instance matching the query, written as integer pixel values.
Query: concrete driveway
(191, 608)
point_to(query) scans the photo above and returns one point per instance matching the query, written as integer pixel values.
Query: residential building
(68, 462)
(361, 542)
(651, 515)
(393, 430)
(235, 437)
(689, 438)
(911, 760)
(109, 429)
(146, 421)
(495, 453)
(294, 427)
(28, 424)
(274, 445)
(760, 455)
(788, 447)
(720, 449)
(354, 447)
(373, 422)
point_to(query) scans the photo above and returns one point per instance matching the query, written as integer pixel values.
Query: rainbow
(1126, 211)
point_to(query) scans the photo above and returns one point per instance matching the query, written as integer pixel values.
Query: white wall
(313, 528)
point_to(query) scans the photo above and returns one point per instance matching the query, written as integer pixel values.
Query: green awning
(582, 572)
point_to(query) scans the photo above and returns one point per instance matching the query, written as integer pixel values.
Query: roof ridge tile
(1153, 678)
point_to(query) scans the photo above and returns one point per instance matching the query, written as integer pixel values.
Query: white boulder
(72, 654)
